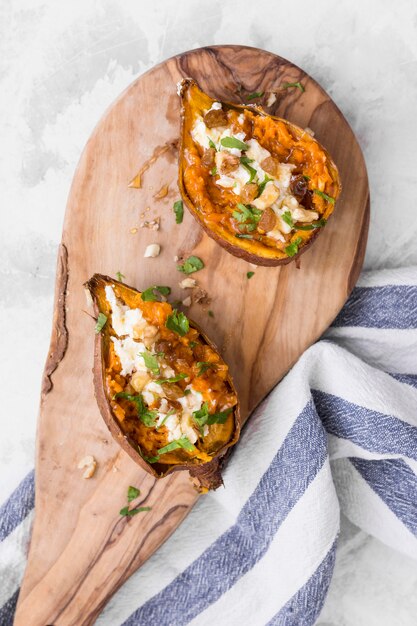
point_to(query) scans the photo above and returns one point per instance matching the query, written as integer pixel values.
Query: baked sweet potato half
(161, 386)
(260, 186)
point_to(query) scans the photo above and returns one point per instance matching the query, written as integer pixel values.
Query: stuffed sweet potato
(161, 386)
(260, 186)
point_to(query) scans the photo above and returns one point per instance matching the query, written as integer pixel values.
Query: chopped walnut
(161, 193)
(214, 118)
(187, 301)
(201, 296)
(152, 225)
(152, 250)
(90, 465)
(272, 98)
(229, 163)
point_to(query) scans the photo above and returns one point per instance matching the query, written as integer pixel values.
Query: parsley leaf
(298, 85)
(120, 276)
(179, 211)
(210, 313)
(250, 274)
(252, 171)
(151, 362)
(173, 379)
(292, 249)
(313, 225)
(178, 323)
(203, 417)
(239, 236)
(101, 322)
(232, 142)
(262, 185)
(153, 293)
(212, 144)
(255, 94)
(218, 418)
(125, 512)
(183, 443)
(132, 493)
(213, 171)
(191, 265)
(287, 217)
(203, 366)
(324, 195)
(146, 417)
(247, 216)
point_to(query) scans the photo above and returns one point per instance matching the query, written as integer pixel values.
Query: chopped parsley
(154, 293)
(324, 195)
(191, 265)
(183, 443)
(203, 417)
(151, 362)
(306, 177)
(203, 366)
(240, 236)
(193, 344)
(120, 276)
(298, 85)
(287, 217)
(262, 185)
(313, 225)
(179, 211)
(292, 249)
(126, 512)
(255, 94)
(250, 274)
(146, 417)
(247, 216)
(101, 322)
(210, 313)
(212, 144)
(245, 162)
(132, 493)
(232, 142)
(178, 323)
(171, 412)
(213, 171)
(173, 379)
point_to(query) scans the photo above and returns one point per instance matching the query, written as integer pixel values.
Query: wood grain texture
(81, 549)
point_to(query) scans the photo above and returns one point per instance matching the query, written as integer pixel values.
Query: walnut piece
(90, 465)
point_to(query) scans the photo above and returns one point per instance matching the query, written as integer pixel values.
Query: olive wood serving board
(82, 550)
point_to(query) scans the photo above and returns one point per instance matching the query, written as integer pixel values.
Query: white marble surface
(61, 66)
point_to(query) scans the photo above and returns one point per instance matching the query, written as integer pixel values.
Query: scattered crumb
(115, 469)
(188, 283)
(253, 266)
(201, 296)
(271, 99)
(148, 208)
(161, 193)
(133, 231)
(210, 313)
(152, 250)
(90, 465)
(142, 215)
(176, 258)
(152, 225)
(309, 131)
(187, 301)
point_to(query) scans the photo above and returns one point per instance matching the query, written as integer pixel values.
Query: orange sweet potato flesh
(213, 206)
(138, 440)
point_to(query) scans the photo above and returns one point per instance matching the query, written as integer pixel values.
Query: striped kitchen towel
(338, 433)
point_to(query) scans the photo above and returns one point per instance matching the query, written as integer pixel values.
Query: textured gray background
(61, 66)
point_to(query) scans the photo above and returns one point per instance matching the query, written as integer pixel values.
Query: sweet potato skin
(207, 475)
(239, 250)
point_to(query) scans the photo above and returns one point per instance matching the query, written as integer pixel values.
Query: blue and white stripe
(338, 433)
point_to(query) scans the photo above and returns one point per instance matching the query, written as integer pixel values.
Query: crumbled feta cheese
(187, 301)
(152, 250)
(241, 119)
(188, 283)
(225, 181)
(125, 321)
(128, 352)
(271, 99)
(216, 106)
(268, 196)
(151, 392)
(303, 215)
(256, 151)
